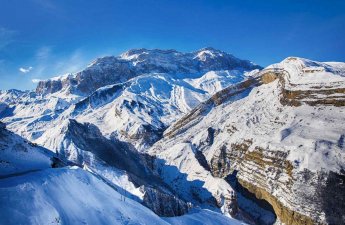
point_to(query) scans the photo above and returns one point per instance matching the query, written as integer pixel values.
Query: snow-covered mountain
(279, 135)
(176, 132)
(116, 69)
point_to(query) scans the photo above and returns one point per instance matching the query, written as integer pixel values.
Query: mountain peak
(136, 52)
(211, 49)
(133, 52)
(209, 52)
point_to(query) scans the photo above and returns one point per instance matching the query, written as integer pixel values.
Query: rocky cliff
(280, 133)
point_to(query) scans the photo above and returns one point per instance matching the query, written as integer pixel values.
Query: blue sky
(44, 38)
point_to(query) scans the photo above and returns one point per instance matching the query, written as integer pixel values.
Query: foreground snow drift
(73, 196)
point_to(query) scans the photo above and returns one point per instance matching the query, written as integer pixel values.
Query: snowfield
(67, 196)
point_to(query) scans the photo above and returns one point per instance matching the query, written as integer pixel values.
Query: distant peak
(292, 59)
(209, 49)
(135, 51)
(213, 50)
(302, 61)
(13, 91)
(145, 50)
(209, 52)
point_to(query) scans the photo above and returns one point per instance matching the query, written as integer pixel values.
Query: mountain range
(165, 137)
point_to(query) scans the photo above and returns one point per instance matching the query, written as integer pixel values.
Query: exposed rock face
(110, 70)
(333, 94)
(320, 190)
(185, 169)
(88, 138)
(228, 202)
(164, 204)
(49, 86)
(270, 167)
(267, 134)
(2, 125)
(102, 72)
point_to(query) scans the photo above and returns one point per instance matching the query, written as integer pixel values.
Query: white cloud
(35, 81)
(25, 70)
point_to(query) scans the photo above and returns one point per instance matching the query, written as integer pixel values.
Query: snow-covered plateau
(164, 137)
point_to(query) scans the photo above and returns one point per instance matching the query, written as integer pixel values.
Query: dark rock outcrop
(2, 125)
(164, 204)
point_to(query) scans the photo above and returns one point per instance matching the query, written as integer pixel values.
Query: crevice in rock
(210, 135)
(259, 211)
(333, 198)
(201, 159)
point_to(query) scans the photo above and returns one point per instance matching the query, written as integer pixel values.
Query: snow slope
(67, 196)
(33, 193)
(17, 155)
(73, 196)
(202, 217)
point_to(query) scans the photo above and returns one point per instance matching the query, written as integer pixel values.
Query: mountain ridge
(139, 61)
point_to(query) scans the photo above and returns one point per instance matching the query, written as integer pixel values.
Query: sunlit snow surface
(73, 196)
